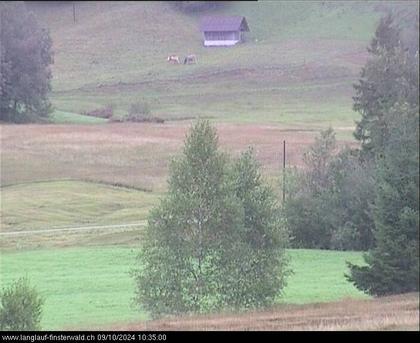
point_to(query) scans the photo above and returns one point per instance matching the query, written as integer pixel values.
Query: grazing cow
(190, 59)
(173, 59)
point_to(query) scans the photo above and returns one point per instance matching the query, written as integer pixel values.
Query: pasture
(297, 65)
(88, 286)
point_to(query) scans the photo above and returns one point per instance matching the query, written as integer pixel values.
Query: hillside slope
(299, 56)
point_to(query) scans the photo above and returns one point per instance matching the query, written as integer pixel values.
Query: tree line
(368, 198)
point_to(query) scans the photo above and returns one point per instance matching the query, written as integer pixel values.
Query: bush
(305, 208)
(307, 225)
(21, 307)
(105, 112)
(331, 199)
(139, 112)
(345, 237)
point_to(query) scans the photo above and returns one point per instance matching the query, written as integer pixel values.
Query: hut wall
(221, 38)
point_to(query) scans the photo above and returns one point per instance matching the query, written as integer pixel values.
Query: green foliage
(350, 199)
(140, 112)
(389, 77)
(208, 243)
(317, 160)
(21, 307)
(387, 98)
(104, 112)
(393, 265)
(188, 232)
(333, 206)
(25, 58)
(329, 205)
(263, 266)
(305, 208)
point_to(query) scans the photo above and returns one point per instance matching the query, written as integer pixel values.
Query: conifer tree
(389, 77)
(393, 265)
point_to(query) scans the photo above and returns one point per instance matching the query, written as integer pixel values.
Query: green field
(91, 286)
(42, 205)
(61, 117)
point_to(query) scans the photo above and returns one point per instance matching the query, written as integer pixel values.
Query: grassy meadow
(297, 65)
(61, 117)
(72, 203)
(88, 286)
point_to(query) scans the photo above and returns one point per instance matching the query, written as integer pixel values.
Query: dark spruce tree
(388, 77)
(393, 265)
(387, 98)
(25, 59)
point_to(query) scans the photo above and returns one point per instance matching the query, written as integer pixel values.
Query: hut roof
(223, 23)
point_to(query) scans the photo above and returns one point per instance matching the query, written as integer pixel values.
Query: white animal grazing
(173, 59)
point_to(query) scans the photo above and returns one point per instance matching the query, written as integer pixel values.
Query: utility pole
(284, 171)
(74, 12)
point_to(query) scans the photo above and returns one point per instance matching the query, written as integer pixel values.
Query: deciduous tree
(25, 59)
(216, 240)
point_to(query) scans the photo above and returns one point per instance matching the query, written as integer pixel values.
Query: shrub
(139, 112)
(330, 201)
(21, 307)
(105, 112)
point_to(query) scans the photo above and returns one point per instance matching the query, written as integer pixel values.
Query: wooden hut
(223, 30)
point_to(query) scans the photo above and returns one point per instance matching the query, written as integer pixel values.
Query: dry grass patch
(130, 154)
(388, 313)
